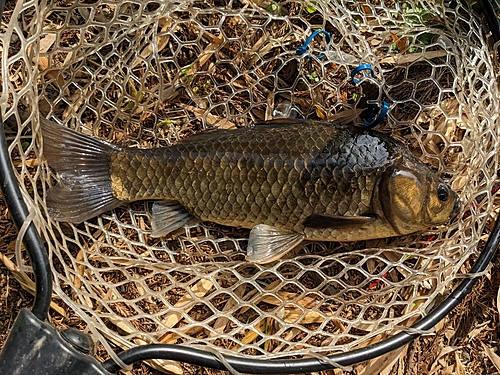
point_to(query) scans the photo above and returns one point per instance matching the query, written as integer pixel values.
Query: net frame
(306, 256)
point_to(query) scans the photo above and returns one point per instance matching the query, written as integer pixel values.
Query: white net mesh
(147, 73)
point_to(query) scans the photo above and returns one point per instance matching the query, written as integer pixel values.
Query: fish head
(412, 197)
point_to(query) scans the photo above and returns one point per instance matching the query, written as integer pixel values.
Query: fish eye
(442, 192)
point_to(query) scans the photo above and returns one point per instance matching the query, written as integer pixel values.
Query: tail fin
(83, 164)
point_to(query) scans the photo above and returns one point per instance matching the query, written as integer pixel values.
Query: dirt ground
(464, 343)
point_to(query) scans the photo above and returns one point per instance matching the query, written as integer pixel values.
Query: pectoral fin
(167, 217)
(267, 244)
(319, 221)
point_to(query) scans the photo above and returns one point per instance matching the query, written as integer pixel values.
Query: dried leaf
(264, 45)
(26, 283)
(168, 367)
(447, 370)
(46, 42)
(366, 9)
(494, 358)
(222, 321)
(30, 163)
(292, 315)
(457, 185)
(401, 42)
(476, 331)
(382, 364)
(498, 301)
(212, 120)
(412, 57)
(200, 289)
(249, 337)
(161, 43)
(172, 319)
(459, 367)
(320, 112)
(449, 332)
(400, 363)
(445, 351)
(43, 61)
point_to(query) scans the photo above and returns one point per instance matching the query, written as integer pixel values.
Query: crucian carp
(287, 180)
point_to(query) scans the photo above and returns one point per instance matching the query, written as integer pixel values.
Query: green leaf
(275, 8)
(164, 123)
(310, 7)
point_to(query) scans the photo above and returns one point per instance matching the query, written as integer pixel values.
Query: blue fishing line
(377, 114)
(303, 49)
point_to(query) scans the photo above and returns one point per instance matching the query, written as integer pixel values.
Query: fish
(287, 180)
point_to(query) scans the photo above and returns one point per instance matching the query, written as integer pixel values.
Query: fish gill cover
(148, 74)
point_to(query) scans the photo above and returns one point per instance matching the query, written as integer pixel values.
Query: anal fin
(267, 244)
(168, 216)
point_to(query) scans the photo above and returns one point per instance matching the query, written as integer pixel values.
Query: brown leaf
(166, 366)
(412, 57)
(320, 112)
(498, 301)
(212, 120)
(366, 9)
(447, 370)
(435, 366)
(26, 283)
(459, 367)
(383, 363)
(476, 331)
(401, 42)
(494, 357)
